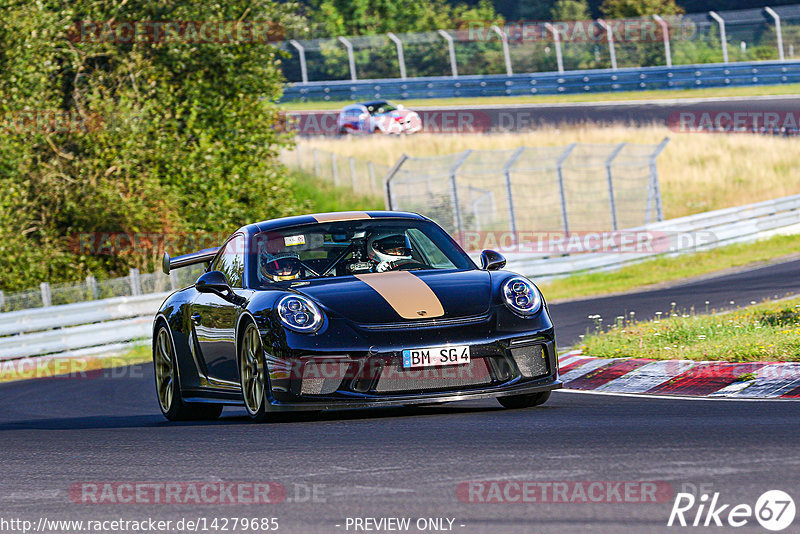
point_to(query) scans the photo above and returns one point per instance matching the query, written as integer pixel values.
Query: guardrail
(551, 83)
(703, 231)
(81, 329)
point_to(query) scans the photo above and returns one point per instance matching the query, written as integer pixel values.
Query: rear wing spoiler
(167, 264)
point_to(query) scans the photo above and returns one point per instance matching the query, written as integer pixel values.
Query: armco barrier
(551, 83)
(719, 228)
(84, 328)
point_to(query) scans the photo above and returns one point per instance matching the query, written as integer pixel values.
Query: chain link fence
(362, 176)
(570, 188)
(91, 289)
(528, 47)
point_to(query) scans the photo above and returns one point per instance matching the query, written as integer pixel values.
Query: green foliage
(570, 10)
(168, 136)
(625, 9)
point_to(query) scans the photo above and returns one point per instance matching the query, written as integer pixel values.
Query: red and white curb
(681, 377)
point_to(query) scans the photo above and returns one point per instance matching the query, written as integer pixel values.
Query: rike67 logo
(774, 510)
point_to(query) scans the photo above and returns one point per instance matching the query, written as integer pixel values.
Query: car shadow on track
(157, 421)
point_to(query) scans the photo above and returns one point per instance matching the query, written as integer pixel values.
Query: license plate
(436, 356)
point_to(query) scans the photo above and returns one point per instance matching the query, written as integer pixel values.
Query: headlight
(521, 296)
(299, 313)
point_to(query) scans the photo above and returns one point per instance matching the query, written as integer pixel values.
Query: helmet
(389, 248)
(279, 269)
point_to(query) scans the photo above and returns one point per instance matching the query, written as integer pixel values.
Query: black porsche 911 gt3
(353, 309)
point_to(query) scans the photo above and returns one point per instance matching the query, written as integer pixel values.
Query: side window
(231, 261)
(432, 253)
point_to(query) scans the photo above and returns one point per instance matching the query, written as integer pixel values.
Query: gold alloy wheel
(251, 370)
(165, 370)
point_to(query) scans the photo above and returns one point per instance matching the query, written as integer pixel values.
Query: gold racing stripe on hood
(341, 216)
(410, 297)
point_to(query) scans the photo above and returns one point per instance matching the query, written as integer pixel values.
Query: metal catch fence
(570, 188)
(364, 177)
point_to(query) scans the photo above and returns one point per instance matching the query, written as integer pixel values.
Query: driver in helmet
(279, 268)
(389, 251)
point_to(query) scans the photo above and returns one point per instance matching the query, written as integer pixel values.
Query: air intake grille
(322, 378)
(395, 378)
(531, 360)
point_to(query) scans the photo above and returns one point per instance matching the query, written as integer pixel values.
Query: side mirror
(213, 282)
(492, 261)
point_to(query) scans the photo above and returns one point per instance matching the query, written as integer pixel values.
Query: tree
(174, 136)
(569, 10)
(626, 9)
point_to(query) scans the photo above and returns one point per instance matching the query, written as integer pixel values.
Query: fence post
(173, 280)
(350, 57)
(2, 299)
(91, 284)
(301, 52)
(136, 282)
(560, 170)
(654, 185)
(454, 192)
(388, 181)
(665, 30)
(451, 47)
(371, 169)
(612, 52)
(722, 35)
(777, 18)
(557, 42)
(335, 169)
(512, 217)
(400, 56)
(316, 163)
(353, 173)
(44, 287)
(610, 178)
(506, 55)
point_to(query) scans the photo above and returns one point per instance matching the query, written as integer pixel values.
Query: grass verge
(656, 272)
(83, 367)
(763, 332)
(319, 196)
(710, 92)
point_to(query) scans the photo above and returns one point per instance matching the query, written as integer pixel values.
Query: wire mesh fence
(526, 47)
(91, 289)
(575, 187)
(362, 176)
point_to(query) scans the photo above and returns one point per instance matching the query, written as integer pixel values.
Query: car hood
(387, 297)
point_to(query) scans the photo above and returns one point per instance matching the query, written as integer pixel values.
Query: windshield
(352, 247)
(377, 108)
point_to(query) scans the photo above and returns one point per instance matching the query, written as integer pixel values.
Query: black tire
(253, 375)
(524, 401)
(168, 384)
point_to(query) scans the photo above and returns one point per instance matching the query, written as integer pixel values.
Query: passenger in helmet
(279, 269)
(389, 251)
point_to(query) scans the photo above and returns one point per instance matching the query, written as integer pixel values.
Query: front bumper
(498, 368)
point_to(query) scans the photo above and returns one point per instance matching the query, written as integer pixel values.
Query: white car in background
(378, 116)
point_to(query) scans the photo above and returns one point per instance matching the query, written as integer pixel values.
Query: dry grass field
(698, 172)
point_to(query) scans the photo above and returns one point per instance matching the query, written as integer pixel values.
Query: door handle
(196, 318)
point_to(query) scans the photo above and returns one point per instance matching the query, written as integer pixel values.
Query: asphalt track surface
(408, 462)
(523, 117)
